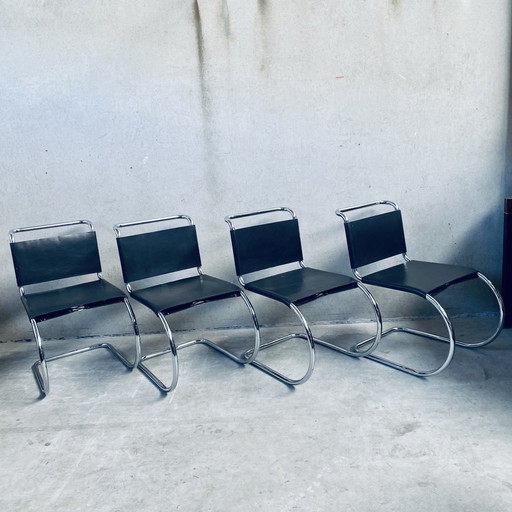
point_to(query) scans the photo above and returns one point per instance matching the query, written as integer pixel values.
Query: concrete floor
(357, 436)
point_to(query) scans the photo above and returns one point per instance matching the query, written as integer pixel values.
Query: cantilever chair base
(230, 291)
(311, 287)
(162, 252)
(70, 254)
(451, 339)
(272, 244)
(40, 369)
(201, 341)
(407, 369)
(381, 236)
(280, 376)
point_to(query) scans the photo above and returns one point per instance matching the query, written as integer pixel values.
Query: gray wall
(117, 111)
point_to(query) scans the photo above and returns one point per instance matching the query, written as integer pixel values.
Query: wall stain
(205, 100)
(225, 17)
(206, 107)
(263, 9)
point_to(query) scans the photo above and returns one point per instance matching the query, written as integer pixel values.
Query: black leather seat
(69, 251)
(379, 235)
(175, 296)
(420, 277)
(301, 286)
(163, 249)
(42, 306)
(274, 243)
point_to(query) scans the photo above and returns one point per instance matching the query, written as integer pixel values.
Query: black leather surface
(174, 296)
(54, 303)
(47, 259)
(159, 252)
(375, 238)
(301, 286)
(420, 277)
(266, 245)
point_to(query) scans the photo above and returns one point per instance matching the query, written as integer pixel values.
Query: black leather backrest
(159, 252)
(47, 259)
(375, 238)
(266, 245)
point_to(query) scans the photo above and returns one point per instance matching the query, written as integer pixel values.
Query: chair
(163, 249)
(69, 252)
(378, 234)
(270, 244)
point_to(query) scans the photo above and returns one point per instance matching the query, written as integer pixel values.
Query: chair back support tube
(60, 257)
(375, 238)
(156, 253)
(266, 246)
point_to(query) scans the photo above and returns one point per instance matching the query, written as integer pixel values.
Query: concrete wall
(117, 111)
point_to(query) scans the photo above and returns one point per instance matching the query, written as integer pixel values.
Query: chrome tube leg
(311, 347)
(373, 341)
(40, 368)
(257, 336)
(175, 366)
(136, 332)
(378, 319)
(499, 327)
(173, 350)
(249, 355)
(311, 344)
(450, 340)
(114, 351)
(451, 334)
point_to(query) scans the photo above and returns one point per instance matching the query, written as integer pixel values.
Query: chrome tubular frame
(40, 367)
(354, 351)
(499, 327)
(450, 339)
(340, 212)
(13, 232)
(501, 306)
(373, 342)
(229, 218)
(413, 371)
(173, 348)
(308, 336)
(117, 227)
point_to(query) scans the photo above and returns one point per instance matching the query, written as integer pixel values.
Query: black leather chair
(68, 251)
(163, 249)
(378, 234)
(276, 243)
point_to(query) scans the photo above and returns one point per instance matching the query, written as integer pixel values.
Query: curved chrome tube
(341, 211)
(256, 325)
(40, 367)
(173, 350)
(450, 339)
(499, 327)
(13, 232)
(229, 218)
(374, 340)
(308, 336)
